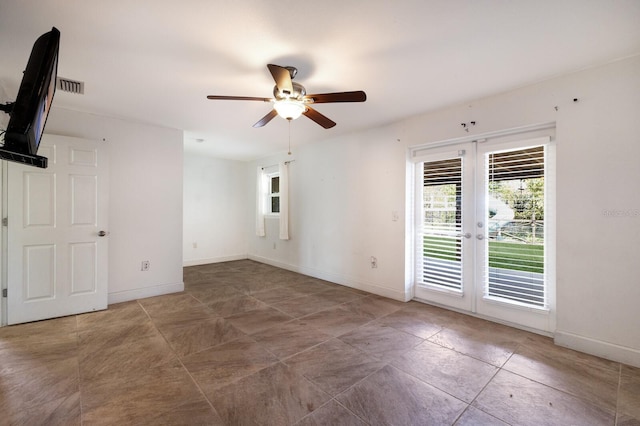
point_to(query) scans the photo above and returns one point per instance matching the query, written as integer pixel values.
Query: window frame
(270, 195)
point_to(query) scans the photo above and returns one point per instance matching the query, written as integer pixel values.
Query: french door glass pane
(515, 199)
(441, 260)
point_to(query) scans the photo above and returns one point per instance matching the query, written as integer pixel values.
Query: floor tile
(97, 339)
(39, 385)
(185, 316)
(24, 354)
(308, 286)
(304, 305)
(224, 364)
(459, 375)
(629, 393)
(341, 295)
(38, 331)
(474, 417)
(487, 342)
(588, 377)
(259, 320)
(273, 396)
(194, 336)
(626, 420)
(275, 295)
(331, 414)
(64, 411)
(164, 394)
(391, 397)
(235, 305)
(518, 400)
(102, 362)
(213, 293)
(419, 325)
(162, 306)
(334, 365)
(290, 338)
(335, 321)
(386, 343)
(373, 306)
(117, 314)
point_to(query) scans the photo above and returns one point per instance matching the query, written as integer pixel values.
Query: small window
(274, 194)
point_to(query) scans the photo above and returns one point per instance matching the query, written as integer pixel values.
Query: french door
(484, 229)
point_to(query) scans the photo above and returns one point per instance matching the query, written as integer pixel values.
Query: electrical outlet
(145, 265)
(374, 262)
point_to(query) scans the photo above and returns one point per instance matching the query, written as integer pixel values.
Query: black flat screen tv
(28, 114)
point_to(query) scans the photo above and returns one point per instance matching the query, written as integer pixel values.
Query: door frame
(416, 155)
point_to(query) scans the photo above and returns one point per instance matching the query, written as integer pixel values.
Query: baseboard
(599, 348)
(336, 278)
(142, 293)
(195, 262)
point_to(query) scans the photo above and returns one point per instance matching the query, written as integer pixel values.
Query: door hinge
(4, 292)
(5, 221)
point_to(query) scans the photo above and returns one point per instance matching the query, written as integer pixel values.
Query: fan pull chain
(289, 120)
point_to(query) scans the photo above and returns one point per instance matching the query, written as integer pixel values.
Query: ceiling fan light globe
(288, 109)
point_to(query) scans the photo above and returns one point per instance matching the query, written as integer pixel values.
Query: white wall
(215, 210)
(145, 200)
(343, 192)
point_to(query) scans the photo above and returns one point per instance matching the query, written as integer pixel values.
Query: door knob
(480, 237)
(103, 234)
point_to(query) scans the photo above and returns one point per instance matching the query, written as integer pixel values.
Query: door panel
(57, 263)
(512, 266)
(444, 207)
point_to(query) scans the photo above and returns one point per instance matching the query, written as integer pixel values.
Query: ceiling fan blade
(322, 120)
(282, 78)
(323, 98)
(238, 98)
(267, 118)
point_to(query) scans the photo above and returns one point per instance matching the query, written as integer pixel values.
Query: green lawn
(515, 256)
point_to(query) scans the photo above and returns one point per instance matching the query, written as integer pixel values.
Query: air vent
(71, 86)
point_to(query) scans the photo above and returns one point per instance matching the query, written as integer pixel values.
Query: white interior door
(484, 229)
(57, 258)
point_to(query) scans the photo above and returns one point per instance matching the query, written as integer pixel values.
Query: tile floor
(249, 344)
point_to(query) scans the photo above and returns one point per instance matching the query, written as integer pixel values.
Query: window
(273, 194)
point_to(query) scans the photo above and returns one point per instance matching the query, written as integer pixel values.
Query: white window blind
(514, 267)
(440, 254)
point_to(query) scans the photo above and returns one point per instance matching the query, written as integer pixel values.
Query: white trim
(206, 261)
(143, 293)
(344, 280)
(611, 351)
(414, 150)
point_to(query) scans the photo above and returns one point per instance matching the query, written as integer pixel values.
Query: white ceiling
(155, 61)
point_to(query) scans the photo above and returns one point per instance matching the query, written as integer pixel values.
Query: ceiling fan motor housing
(298, 92)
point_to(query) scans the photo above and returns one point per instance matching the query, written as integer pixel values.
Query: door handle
(103, 234)
(466, 235)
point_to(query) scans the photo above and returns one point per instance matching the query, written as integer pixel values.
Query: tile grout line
(197, 385)
(79, 376)
(615, 422)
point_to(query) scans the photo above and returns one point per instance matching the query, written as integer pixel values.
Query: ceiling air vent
(71, 86)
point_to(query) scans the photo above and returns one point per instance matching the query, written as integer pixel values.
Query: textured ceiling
(154, 61)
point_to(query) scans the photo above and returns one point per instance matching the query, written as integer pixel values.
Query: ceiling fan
(290, 99)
